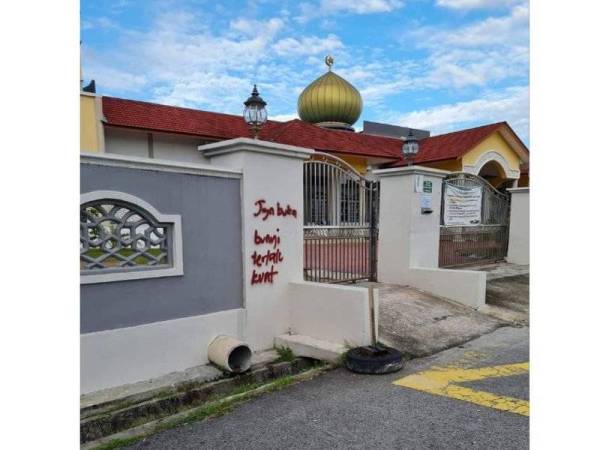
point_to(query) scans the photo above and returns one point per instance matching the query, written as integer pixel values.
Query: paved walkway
(507, 292)
(508, 299)
(421, 324)
(342, 410)
(500, 270)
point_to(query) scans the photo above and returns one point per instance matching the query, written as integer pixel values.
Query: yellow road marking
(443, 381)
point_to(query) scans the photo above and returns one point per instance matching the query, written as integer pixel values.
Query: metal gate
(484, 240)
(341, 211)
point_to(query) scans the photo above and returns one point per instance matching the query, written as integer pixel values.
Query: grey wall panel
(212, 250)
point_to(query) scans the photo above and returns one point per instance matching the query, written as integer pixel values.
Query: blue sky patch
(441, 65)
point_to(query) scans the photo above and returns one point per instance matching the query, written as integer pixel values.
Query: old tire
(374, 361)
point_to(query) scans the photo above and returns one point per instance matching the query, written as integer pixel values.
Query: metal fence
(486, 241)
(340, 222)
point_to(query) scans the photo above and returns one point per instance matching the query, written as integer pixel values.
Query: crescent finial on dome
(329, 61)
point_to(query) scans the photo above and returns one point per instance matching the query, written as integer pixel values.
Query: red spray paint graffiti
(273, 255)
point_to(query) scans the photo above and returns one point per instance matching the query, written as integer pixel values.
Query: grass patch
(216, 408)
(243, 388)
(280, 383)
(219, 407)
(341, 361)
(285, 354)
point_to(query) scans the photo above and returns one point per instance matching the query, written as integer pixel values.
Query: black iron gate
(464, 237)
(341, 212)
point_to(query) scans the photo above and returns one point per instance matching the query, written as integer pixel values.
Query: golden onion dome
(330, 101)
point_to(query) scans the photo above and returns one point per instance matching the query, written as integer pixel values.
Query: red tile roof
(303, 134)
(172, 119)
(451, 145)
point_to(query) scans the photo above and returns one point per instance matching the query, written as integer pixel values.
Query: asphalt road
(341, 410)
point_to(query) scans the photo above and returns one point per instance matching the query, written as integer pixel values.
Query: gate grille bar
(487, 241)
(340, 222)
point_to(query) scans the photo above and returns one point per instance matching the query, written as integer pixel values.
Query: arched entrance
(493, 173)
(495, 169)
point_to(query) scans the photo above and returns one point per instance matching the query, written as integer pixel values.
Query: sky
(440, 65)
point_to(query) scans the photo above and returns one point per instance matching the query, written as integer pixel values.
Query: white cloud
(184, 59)
(512, 28)
(224, 93)
(180, 46)
(250, 27)
(510, 104)
(476, 54)
(463, 68)
(475, 4)
(180, 60)
(360, 6)
(307, 45)
(284, 117)
(100, 22)
(114, 79)
(376, 92)
(310, 11)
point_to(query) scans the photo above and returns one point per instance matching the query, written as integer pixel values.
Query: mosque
(328, 109)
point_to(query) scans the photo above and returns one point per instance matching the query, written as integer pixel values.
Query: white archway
(497, 158)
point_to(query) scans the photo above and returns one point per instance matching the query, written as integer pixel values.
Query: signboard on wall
(462, 205)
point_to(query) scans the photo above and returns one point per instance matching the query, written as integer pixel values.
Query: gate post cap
(411, 170)
(255, 146)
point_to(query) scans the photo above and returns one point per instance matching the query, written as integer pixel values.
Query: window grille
(119, 236)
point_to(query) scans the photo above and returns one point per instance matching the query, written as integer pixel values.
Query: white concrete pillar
(272, 217)
(518, 237)
(409, 237)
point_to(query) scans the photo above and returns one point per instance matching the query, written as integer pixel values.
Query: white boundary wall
(126, 355)
(518, 236)
(409, 240)
(332, 313)
(337, 314)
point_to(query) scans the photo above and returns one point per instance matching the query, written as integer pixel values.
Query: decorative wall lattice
(117, 235)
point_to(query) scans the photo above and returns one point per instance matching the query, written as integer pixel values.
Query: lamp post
(255, 113)
(410, 148)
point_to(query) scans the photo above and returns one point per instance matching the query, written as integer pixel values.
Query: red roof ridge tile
(194, 110)
(454, 144)
(466, 130)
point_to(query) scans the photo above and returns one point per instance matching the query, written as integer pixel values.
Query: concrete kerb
(135, 434)
(105, 420)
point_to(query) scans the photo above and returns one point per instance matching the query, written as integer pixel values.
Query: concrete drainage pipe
(230, 354)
